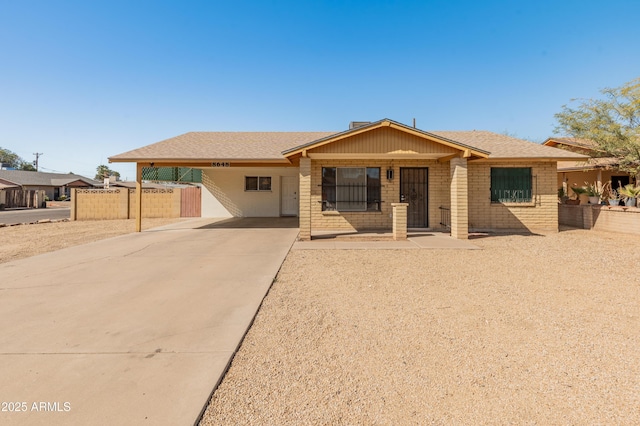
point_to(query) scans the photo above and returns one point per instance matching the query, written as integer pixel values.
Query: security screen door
(414, 183)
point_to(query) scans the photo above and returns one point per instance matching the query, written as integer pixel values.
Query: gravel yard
(529, 330)
(29, 240)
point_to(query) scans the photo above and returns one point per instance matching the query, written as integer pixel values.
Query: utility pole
(35, 163)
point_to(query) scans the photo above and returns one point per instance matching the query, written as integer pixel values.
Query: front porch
(400, 205)
(330, 240)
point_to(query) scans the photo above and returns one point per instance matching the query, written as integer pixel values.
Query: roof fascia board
(382, 156)
(507, 159)
(202, 162)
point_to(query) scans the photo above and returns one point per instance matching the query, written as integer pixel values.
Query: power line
(35, 163)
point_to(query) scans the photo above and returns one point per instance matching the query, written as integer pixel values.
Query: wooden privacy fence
(120, 203)
(27, 198)
(190, 204)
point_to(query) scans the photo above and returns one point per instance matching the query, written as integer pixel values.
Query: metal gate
(414, 184)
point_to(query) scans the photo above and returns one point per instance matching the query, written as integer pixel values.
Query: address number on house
(220, 164)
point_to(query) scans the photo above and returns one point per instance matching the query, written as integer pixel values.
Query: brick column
(459, 199)
(587, 216)
(399, 221)
(305, 199)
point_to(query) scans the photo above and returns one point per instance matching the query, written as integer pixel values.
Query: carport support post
(74, 205)
(138, 197)
(459, 199)
(305, 199)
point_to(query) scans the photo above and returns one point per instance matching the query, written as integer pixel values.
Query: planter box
(601, 218)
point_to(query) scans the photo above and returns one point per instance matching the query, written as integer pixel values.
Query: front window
(257, 183)
(351, 189)
(511, 185)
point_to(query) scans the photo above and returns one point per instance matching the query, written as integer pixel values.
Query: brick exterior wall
(305, 213)
(539, 215)
(399, 221)
(570, 215)
(459, 198)
(601, 218)
(156, 203)
(91, 204)
(438, 193)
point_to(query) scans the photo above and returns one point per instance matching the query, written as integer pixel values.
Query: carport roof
(220, 146)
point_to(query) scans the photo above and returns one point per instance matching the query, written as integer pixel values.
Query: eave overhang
(199, 162)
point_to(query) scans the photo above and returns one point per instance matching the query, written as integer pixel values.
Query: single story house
(354, 179)
(54, 185)
(595, 169)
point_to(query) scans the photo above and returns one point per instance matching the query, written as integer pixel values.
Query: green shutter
(511, 185)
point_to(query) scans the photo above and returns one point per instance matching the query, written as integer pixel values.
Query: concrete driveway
(136, 329)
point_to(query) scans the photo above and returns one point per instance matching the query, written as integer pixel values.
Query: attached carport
(216, 150)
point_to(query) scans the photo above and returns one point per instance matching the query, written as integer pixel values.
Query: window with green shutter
(511, 185)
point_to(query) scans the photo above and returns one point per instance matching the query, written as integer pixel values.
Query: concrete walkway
(383, 241)
(132, 330)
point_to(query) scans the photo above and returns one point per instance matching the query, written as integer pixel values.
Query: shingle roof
(504, 147)
(270, 146)
(221, 146)
(576, 142)
(23, 177)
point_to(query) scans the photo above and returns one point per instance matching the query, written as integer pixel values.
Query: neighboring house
(468, 180)
(55, 185)
(596, 169)
(132, 185)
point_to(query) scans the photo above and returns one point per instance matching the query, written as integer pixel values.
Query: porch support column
(305, 199)
(459, 199)
(138, 197)
(399, 220)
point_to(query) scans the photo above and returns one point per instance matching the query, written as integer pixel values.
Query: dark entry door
(413, 190)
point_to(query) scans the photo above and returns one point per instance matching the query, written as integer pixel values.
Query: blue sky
(84, 80)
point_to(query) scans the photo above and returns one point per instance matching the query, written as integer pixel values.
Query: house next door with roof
(414, 190)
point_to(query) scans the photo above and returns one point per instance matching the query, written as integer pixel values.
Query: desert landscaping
(531, 329)
(539, 329)
(27, 240)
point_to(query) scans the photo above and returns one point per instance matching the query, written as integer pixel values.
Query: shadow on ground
(480, 235)
(253, 222)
